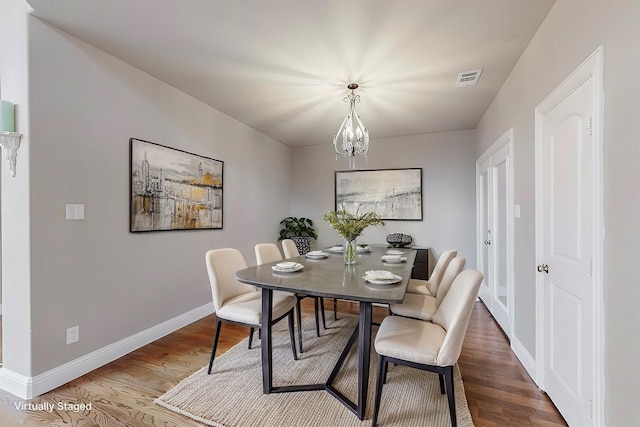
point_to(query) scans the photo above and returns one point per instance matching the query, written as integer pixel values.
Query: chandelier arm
(361, 125)
(335, 137)
(362, 144)
(365, 131)
(348, 136)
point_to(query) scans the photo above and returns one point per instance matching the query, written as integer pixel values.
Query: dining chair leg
(441, 378)
(380, 381)
(448, 378)
(292, 335)
(335, 309)
(299, 319)
(215, 345)
(251, 329)
(386, 369)
(324, 321)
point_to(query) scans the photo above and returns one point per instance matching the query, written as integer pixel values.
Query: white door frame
(483, 167)
(592, 67)
(506, 139)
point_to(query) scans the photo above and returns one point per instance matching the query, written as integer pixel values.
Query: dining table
(329, 277)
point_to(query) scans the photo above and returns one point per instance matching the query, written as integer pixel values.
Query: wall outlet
(73, 334)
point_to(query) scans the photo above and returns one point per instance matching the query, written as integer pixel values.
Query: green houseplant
(300, 230)
(350, 226)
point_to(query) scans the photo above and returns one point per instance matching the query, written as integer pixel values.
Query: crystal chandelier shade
(352, 137)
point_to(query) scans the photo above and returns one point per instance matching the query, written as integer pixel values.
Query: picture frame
(394, 194)
(172, 189)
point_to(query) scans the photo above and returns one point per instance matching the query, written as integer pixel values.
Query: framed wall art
(394, 194)
(171, 189)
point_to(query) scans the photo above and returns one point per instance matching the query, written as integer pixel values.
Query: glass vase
(350, 251)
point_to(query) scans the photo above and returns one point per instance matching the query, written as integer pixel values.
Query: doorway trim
(592, 67)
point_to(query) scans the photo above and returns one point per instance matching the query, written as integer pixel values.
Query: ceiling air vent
(468, 78)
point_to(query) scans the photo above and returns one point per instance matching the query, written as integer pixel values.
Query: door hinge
(591, 409)
(590, 267)
(590, 126)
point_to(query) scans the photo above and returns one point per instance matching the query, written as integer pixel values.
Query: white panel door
(567, 200)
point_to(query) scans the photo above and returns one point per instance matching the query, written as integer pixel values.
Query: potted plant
(300, 230)
(350, 226)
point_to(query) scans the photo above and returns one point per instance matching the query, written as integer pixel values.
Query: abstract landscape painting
(172, 189)
(394, 194)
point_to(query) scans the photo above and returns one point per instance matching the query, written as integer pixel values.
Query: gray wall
(571, 32)
(15, 215)
(448, 172)
(84, 107)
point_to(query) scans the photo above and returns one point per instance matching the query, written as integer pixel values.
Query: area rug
(232, 395)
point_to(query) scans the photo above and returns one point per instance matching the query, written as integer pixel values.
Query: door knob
(543, 267)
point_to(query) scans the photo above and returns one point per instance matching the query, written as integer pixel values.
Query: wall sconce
(9, 138)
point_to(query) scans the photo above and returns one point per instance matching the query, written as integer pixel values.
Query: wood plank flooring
(498, 389)
(121, 393)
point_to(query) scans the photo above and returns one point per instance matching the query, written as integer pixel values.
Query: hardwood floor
(498, 389)
(121, 393)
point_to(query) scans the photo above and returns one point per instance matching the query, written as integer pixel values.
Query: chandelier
(352, 137)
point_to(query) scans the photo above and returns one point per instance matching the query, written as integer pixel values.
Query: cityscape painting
(172, 189)
(394, 194)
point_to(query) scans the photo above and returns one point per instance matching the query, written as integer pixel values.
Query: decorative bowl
(399, 240)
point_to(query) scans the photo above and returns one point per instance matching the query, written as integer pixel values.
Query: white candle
(7, 117)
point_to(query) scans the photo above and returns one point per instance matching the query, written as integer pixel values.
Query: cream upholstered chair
(430, 287)
(423, 307)
(431, 346)
(290, 250)
(239, 303)
(269, 252)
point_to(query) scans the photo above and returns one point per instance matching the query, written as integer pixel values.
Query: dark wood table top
(331, 278)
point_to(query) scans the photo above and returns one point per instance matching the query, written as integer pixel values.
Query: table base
(362, 332)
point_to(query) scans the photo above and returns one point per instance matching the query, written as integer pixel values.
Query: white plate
(394, 252)
(316, 254)
(312, 253)
(363, 249)
(335, 249)
(395, 279)
(295, 267)
(287, 265)
(379, 274)
(393, 259)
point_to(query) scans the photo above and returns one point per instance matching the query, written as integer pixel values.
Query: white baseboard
(15, 383)
(528, 362)
(30, 387)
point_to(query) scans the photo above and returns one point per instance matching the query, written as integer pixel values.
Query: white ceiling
(282, 66)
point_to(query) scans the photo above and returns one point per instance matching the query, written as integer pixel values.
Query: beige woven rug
(232, 395)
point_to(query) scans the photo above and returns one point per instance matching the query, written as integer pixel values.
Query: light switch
(80, 212)
(516, 211)
(74, 211)
(70, 212)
